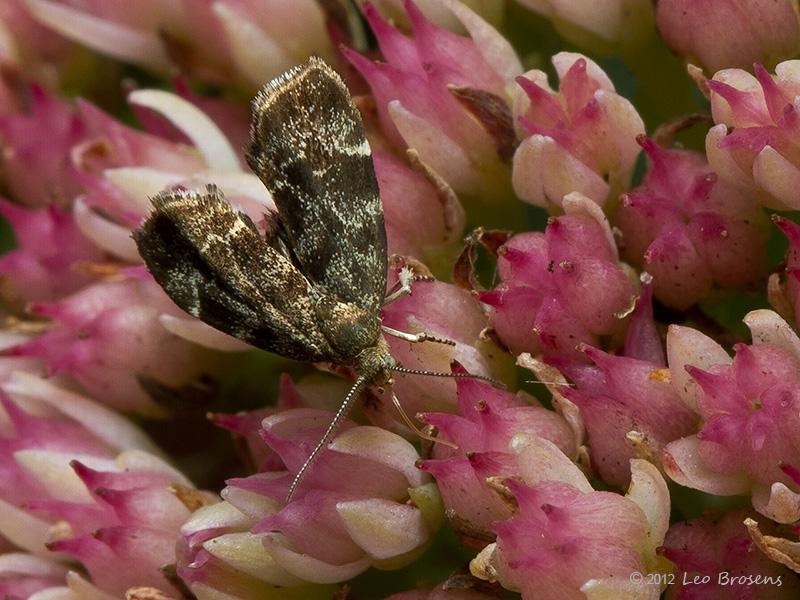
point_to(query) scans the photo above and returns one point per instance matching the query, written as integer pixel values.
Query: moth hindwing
(311, 289)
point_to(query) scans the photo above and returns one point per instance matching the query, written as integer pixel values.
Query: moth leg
(416, 429)
(416, 337)
(405, 278)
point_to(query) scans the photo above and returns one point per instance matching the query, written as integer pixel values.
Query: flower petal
(194, 123)
(103, 35)
(384, 529)
(681, 461)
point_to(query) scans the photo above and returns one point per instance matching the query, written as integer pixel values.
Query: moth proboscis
(312, 288)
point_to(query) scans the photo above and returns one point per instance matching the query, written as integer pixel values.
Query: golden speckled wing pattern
(211, 261)
(309, 148)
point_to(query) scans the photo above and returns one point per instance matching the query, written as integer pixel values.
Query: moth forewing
(211, 261)
(309, 147)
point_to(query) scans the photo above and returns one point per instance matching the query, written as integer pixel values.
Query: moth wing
(211, 261)
(309, 148)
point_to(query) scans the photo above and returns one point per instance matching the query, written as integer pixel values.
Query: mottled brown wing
(211, 261)
(309, 148)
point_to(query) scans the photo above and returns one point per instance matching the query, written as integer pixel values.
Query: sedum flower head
(557, 545)
(541, 304)
(753, 145)
(36, 145)
(747, 409)
(690, 231)
(581, 138)
(443, 95)
(82, 482)
(110, 338)
(44, 265)
(487, 420)
(629, 408)
(730, 33)
(363, 503)
(450, 313)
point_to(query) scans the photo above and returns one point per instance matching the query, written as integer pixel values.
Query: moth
(312, 287)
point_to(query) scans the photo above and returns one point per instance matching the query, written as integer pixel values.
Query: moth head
(375, 364)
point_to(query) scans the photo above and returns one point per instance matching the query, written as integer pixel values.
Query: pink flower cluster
(563, 287)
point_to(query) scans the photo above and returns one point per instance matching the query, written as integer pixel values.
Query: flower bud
(581, 138)
(610, 25)
(719, 34)
(443, 95)
(754, 145)
(690, 231)
(748, 408)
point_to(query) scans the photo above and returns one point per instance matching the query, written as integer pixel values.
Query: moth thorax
(375, 363)
(347, 327)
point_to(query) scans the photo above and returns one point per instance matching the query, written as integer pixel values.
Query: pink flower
(109, 337)
(629, 408)
(122, 167)
(557, 542)
(560, 288)
(36, 165)
(443, 95)
(113, 144)
(748, 408)
(362, 502)
(487, 420)
(690, 231)
(81, 149)
(22, 575)
(716, 558)
(558, 545)
(447, 312)
(438, 12)
(88, 484)
(29, 49)
(319, 391)
(581, 138)
(239, 40)
(421, 212)
(754, 144)
(730, 33)
(42, 267)
(602, 27)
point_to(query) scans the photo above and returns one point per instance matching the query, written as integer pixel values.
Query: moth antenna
(414, 427)
(491, 380)
(340, 415)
